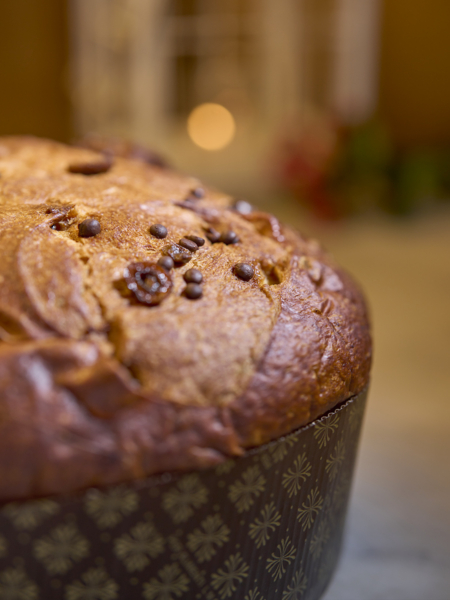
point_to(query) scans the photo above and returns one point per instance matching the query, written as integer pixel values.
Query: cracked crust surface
(95, 389)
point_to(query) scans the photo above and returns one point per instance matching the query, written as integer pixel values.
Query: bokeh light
(211, 126)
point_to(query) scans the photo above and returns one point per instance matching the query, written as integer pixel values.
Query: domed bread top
(110, 369)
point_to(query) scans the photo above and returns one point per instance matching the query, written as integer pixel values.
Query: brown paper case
(265, 526)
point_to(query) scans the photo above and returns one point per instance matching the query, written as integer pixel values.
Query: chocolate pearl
(198, 192)
(89, 228)
(158, 231)
(91, 168)
(212, 235)
(196, 239)
(166, 263)
(243, 207)
(193, 291)
(193, 276)
(228, 237)
(244, 271)
(188, 244)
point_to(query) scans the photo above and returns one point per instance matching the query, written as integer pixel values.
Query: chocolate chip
(89, 228)
(243, 207)
(193, 276)
(149, 282)
(228, 237)
(158, 231)
(244, 271)
(166, 263)
(196, 239)
(179, 255)
(188, 244)
(212, 235)
(193, 291)
(198, 192)
(91, 168)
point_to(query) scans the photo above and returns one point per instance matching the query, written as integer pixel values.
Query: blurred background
(334, 115)
(340, 104)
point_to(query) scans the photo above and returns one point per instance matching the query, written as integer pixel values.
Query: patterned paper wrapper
(265, 526)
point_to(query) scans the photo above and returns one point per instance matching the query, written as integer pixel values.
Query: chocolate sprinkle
(149, 282)
(188, 244)
(196, 239)
(158, 231)
(228, 237)
(193, 291)
(91, 168)
(243, 207)
(212, 235)
(89, 228)
(178, 254)
(166, 263)
(244, 271)
(193, 276)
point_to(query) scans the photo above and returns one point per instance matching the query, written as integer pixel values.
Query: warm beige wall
(415, 70)
(33, 56)
(414, 78)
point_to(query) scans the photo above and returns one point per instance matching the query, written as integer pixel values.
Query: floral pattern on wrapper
(265, 525)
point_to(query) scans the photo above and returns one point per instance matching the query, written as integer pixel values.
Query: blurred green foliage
(367, 172)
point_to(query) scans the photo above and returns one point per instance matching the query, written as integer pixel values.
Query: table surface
(397, 544)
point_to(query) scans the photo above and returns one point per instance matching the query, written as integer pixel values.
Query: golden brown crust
(96, 387)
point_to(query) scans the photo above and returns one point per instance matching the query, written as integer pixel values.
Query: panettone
(149, 323)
